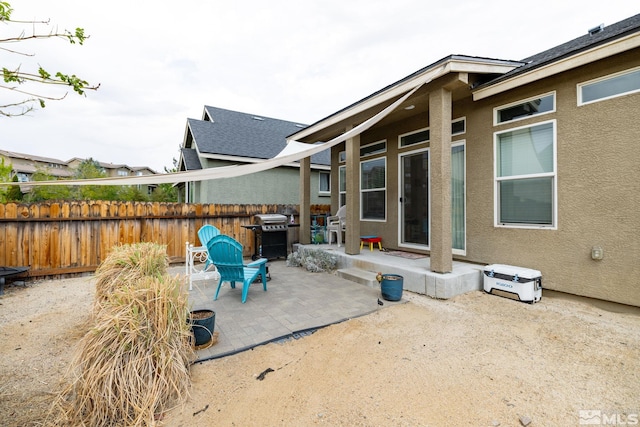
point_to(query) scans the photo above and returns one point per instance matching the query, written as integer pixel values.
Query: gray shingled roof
(191, 159)
(587, 41)
(232, 133)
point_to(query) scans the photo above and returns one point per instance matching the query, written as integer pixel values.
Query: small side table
(193, 272)
(371, 240)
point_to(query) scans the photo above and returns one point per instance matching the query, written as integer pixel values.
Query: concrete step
(358, 275)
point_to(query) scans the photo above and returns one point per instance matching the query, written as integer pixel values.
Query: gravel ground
(474, 360)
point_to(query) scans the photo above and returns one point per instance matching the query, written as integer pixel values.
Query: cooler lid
(512, 270)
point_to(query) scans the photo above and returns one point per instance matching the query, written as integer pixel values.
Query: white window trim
(386, 193)
(340, 192)
(579, 87)
(401, 244)
(460, 119)
(411, 146)
(522, 101)
(320, 191)
(400, 157)
(462, 142)
(554, 174)
(375, 153)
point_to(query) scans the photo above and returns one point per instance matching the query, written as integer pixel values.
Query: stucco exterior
(278, 185)
(597, 174)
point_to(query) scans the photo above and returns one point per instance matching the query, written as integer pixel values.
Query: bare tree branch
(15, 75)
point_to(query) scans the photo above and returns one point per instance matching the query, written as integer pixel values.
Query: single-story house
(531, 163)
(224, 138)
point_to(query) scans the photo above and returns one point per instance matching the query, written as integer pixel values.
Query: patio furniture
(337, 224)
(226, 254)
(371, 240)
(200, 254)
(206, 233)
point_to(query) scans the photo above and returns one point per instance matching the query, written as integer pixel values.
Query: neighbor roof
(191, 159)
(232, 133)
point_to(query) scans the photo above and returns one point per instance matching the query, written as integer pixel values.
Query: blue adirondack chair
(206, 233)
(226, 254)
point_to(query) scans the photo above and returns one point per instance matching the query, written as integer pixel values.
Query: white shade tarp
(294, 151)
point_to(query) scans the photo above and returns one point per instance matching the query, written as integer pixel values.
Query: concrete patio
(299, 302)
(414, 268)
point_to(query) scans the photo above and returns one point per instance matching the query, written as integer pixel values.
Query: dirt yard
(475, 360)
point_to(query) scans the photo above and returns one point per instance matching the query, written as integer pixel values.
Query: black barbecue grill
(270, 236)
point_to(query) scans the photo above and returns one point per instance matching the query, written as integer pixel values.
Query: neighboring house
(116, 170)
(225, 138)
(533, 163)
(25, 165)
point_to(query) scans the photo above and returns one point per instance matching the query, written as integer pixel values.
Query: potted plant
(202, 325)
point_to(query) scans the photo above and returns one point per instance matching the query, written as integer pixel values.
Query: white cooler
(521, 283)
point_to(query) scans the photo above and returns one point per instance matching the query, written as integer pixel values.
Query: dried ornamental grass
(126, 263)
(134, 364)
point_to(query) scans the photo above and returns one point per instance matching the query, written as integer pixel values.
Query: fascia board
(582, 58)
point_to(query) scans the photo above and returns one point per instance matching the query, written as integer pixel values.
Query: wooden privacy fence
(62, 238)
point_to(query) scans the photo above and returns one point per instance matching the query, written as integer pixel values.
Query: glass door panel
(414, 199)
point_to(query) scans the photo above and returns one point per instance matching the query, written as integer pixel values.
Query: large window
(524, 109)
(525, 176)
(609, 87)
(373, 188)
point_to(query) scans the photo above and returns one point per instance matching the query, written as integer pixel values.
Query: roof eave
(451, 64)
(578, 59)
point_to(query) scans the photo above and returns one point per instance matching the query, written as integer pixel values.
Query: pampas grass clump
(127, 263)
(133, 365)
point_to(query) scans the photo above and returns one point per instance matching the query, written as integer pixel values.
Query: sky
(159, 63)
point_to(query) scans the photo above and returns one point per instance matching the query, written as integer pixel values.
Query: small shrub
(314, 260)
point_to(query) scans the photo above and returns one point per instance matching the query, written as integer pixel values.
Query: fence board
(57, 238)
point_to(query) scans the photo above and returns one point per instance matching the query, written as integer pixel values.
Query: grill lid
(270, 219)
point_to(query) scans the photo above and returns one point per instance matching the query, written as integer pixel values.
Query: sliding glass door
(414, 199)
(415, 217)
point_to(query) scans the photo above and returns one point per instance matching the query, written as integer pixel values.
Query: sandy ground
(476, 360)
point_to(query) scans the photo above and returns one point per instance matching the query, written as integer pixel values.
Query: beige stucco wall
(598, 187)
